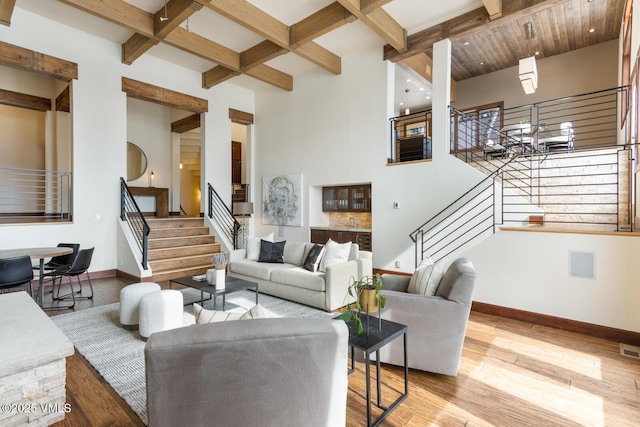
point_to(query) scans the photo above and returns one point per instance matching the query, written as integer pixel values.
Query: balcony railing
(410, 137)
(35, 195)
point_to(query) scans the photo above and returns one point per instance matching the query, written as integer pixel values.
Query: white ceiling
(413, 15)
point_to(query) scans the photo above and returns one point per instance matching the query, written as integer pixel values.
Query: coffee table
(233, 284)
(380, 333)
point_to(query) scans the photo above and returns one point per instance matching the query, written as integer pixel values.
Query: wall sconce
(151, 176)
(180, 165)
(528, 74)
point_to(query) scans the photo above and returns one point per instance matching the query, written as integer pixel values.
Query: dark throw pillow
(271, 251)
(313, 259)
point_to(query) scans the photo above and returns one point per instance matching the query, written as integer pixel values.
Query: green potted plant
(366, 292)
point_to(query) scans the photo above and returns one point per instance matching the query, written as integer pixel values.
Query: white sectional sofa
(326, 290)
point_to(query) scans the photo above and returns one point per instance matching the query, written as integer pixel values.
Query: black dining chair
(61, 260)
(16, 272)
(80, 266)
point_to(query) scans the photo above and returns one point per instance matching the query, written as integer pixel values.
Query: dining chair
(80, 266)
(16, 272)
(61, 260)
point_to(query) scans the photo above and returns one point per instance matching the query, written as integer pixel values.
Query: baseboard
(128, 276)
(605, 332)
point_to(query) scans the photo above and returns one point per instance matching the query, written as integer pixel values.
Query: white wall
(99, 129)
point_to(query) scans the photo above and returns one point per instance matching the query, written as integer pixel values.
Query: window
(475, 126)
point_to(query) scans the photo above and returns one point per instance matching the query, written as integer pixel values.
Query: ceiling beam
(135, 47)
(467, 24)
(36, 62)
(367, 6)
(186, 124)
(380, 22)
(6, 10)
(323, 21)
(22, 100)
(272, 76)
(63, 101)
(217, 75)
(259, 54)
(177, 11)
(162, 96)
(141, 22)
(249, 16)
(494, 8)
(258, 21)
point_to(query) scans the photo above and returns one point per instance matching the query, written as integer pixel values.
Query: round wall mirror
(136, 162)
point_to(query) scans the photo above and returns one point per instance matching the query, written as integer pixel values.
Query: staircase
(180, 247)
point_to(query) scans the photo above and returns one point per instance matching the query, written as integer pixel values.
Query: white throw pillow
(426, 278)
(253, 246)
(203, 315)
(334, 253)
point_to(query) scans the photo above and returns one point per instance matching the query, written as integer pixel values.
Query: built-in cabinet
(347, 198)
(362, 238)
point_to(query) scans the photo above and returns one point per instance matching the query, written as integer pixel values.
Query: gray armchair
(259, 372)
(436, 324)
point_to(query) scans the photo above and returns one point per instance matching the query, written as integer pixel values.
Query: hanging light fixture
(166, 16)
(528, 74)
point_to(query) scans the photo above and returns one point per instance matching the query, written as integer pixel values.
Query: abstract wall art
(282, 200)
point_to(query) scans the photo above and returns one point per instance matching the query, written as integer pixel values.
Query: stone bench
(33, 365)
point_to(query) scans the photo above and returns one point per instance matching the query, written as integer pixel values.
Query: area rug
(118, 354)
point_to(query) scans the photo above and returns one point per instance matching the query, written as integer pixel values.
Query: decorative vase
(211, 276)
(220, 276)
(368, 300)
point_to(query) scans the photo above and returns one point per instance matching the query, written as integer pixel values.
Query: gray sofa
(436, 324)
(260, 372)
(289, 280)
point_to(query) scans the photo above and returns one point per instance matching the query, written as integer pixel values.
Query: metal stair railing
(219, 212)
(131, 214)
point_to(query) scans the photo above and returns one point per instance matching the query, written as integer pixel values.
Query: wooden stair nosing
(177, 232)
(181, 241)
(183, 251)
(181, 262)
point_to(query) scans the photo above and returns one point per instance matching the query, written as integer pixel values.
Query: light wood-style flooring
(512, 373)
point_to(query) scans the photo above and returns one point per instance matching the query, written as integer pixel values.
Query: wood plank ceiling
(487, 39)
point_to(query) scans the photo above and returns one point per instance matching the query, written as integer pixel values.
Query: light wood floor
(512, 373)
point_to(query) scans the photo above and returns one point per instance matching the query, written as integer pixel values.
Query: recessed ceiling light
(537, 52)
(408, 80)
(481, 62)
(466, 43)
(428, 97)
(402, 103)
(421, 88)
(592, 30)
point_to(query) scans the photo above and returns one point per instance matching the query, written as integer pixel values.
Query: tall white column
(441, 99)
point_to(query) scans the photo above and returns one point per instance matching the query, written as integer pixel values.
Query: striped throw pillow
(426, 278)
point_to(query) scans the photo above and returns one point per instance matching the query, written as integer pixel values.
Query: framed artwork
(282, 200)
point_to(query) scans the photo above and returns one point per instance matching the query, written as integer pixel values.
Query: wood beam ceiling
(6, 10)
(379, 21)
(186, 124)
(465, 25)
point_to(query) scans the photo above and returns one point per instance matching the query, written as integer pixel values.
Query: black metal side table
(373, 342)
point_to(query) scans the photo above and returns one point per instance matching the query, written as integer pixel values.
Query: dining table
(39, 253)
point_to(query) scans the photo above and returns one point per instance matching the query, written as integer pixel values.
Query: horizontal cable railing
(220, 213)
(131, 214)
(410, 137)
(35, 195)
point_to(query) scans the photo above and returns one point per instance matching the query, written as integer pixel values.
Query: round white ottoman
(160, 311)
(130, 301)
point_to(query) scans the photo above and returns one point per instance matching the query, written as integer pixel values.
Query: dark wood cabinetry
(362, 238)
(352, 198)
